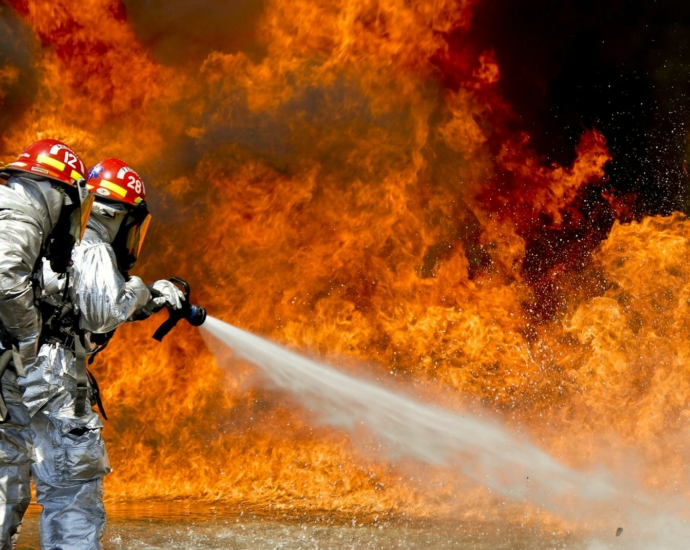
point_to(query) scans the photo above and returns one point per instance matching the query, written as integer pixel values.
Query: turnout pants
(68, 473)
(16, 452)
(71, 459)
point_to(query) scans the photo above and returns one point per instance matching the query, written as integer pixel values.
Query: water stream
(477, 447)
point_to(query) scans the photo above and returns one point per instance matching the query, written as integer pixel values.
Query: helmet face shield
(79, 218)
(130, 238)
(70, 226)
(80, 215)
(136, 235)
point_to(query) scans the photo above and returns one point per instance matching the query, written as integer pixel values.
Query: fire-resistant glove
(53, 283)
(164, 294)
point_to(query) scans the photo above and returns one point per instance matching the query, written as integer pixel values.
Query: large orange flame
(357, 190)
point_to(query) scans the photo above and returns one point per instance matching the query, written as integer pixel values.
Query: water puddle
(179, 526)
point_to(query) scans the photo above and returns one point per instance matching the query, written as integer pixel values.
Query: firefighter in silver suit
(88, 304)
(44, 206)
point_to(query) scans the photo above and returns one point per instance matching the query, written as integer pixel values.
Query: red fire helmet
(115, 180)
(51, 159)
(55, 161)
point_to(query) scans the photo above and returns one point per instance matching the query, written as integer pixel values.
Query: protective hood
(106, 219)
(122, 226)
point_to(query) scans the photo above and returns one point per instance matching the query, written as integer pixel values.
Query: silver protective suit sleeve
(28, 211)
(19, 250)
(105, 300)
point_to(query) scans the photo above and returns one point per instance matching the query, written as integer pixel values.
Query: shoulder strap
(82, 380)
(4, 361)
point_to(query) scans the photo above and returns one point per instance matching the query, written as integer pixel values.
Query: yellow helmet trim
(114, 187)
(45, 159)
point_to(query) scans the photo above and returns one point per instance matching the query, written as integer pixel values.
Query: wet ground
(170, 527)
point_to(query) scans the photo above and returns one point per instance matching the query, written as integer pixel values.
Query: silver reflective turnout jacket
(102, 296)
(103, 300)
(29, 210)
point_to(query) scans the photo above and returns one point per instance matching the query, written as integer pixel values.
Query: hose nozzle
(193, 314)
(197, 316)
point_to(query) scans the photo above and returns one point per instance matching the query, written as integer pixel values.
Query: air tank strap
(18, 365)
(5, 359)
(96, 393)
(82, 379)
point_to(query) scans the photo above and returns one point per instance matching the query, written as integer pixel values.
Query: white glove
(168, 295)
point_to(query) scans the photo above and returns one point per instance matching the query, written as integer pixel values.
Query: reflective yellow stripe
(75, 175)
(17, 163)
(114, 187)
(89, 186)
(45, 159)
(138, 200)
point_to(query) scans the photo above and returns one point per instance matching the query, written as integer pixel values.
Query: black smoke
(181, 32)
(620, 66)
(18, 76)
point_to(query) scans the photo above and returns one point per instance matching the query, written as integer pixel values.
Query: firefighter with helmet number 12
(44, 207)
(81, 311)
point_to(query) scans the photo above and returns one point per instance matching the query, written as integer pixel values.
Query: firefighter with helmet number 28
(44, 207)
(82, 310)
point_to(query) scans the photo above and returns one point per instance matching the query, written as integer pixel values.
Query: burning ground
(473, 199)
